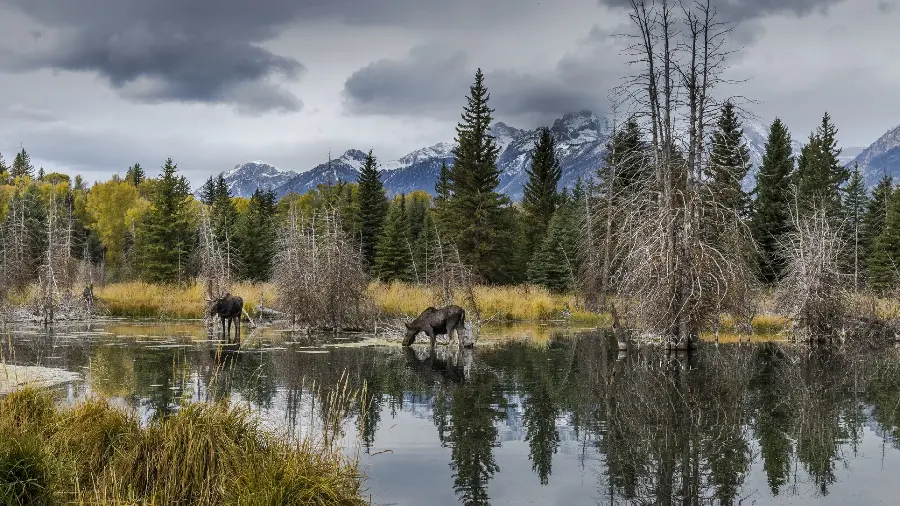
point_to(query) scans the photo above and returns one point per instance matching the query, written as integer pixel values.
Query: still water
(533, 415)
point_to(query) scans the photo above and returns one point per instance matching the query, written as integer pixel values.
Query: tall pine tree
(820, 177)
(393, 254)
(541, 195)
(876, 210)
(555, 263)
(255, 235)
(771, 215)
(475, 217)
(22, 165)
(884, 264)
(135, 175)
(373, 207)
(854, 207)
(165, 236)
(728, 164)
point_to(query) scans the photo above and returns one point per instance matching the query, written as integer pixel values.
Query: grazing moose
(437, 321)
(229, 307)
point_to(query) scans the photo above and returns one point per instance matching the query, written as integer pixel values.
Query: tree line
(566, 239)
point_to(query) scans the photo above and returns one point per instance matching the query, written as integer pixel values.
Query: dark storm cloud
(434, 81)
(209, 50)
(747, 10)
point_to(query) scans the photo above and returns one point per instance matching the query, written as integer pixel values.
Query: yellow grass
(137, 299)
(518, 303)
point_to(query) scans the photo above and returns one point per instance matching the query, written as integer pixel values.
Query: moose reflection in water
(773, 423)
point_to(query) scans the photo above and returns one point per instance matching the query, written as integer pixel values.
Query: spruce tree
(373, 207)
(625, 160)
(854, 207)
(771, 215)
(820, 176)
(392, 258)
(223, 217)
(728, 164)
(3, 167)
(165, 236)
(41, 173)
(475, 213)
(207, 191)
(876, 210)
(884, 264)
(135, 175)
(255, 235)
(443, 192)
(555, 263)
(22, 165)
(541, 195)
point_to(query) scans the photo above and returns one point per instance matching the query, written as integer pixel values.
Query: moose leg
(237, 328)
(222, 319)
(431, 334)
(229, 330)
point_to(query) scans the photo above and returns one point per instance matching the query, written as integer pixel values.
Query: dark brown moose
(438, 321)
(229, 308)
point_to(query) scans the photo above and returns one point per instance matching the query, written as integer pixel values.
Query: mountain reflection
(664, 429)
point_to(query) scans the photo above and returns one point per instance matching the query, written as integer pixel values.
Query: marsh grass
(206, 454)
(137, 299)
(497, 303)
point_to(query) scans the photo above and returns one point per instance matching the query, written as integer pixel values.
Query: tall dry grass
(207, 454)
(137, 299)
(510, 303)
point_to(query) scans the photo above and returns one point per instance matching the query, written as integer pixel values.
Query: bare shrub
(215, 271)
(318, 273)
(813, 291)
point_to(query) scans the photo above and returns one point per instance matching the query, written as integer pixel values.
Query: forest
(663, 234)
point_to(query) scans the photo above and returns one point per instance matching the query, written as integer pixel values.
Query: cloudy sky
(92, 86)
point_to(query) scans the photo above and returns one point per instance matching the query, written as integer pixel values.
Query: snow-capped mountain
(882, 157)
(581, 139)
(245, 178)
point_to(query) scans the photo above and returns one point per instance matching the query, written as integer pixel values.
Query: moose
(228, 308)
(437, 321)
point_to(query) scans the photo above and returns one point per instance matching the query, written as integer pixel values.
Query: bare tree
(215, 265)
(318, 272)
(676, 276)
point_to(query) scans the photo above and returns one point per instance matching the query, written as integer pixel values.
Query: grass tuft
(205, 454)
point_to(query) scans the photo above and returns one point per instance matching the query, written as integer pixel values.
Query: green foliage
(884, 264)
(393, 253)
(876, 211)
(541, 195)
(475, 217)
(165, 237)
(728, 164)
(22, 165)
(820, 176)
(854, 207)
(135, 175)
(771, 217)
(555, 264)
(256, 235)
(3, 168)
(373, 206)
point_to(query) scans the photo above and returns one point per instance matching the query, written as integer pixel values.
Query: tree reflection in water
(667, 428)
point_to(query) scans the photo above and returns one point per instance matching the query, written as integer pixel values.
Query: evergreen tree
(392, 259)
(728, 164)
(854, 207)
(136, 175)
(40, 174)
(820, 176)
(555, 263)
(474, 218)
(876, 210)
(223, 218)
(884, 264)
(771, 216)
(443, 190)
(624, 163)
(255, 235)
(164, 238)
(373, 206)
(541, 195)
(22, 165)
(207, 191)
(3, 167)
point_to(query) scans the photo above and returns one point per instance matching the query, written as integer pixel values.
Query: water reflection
(563, 420)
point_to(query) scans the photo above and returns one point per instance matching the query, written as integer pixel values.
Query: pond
(533, 415)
